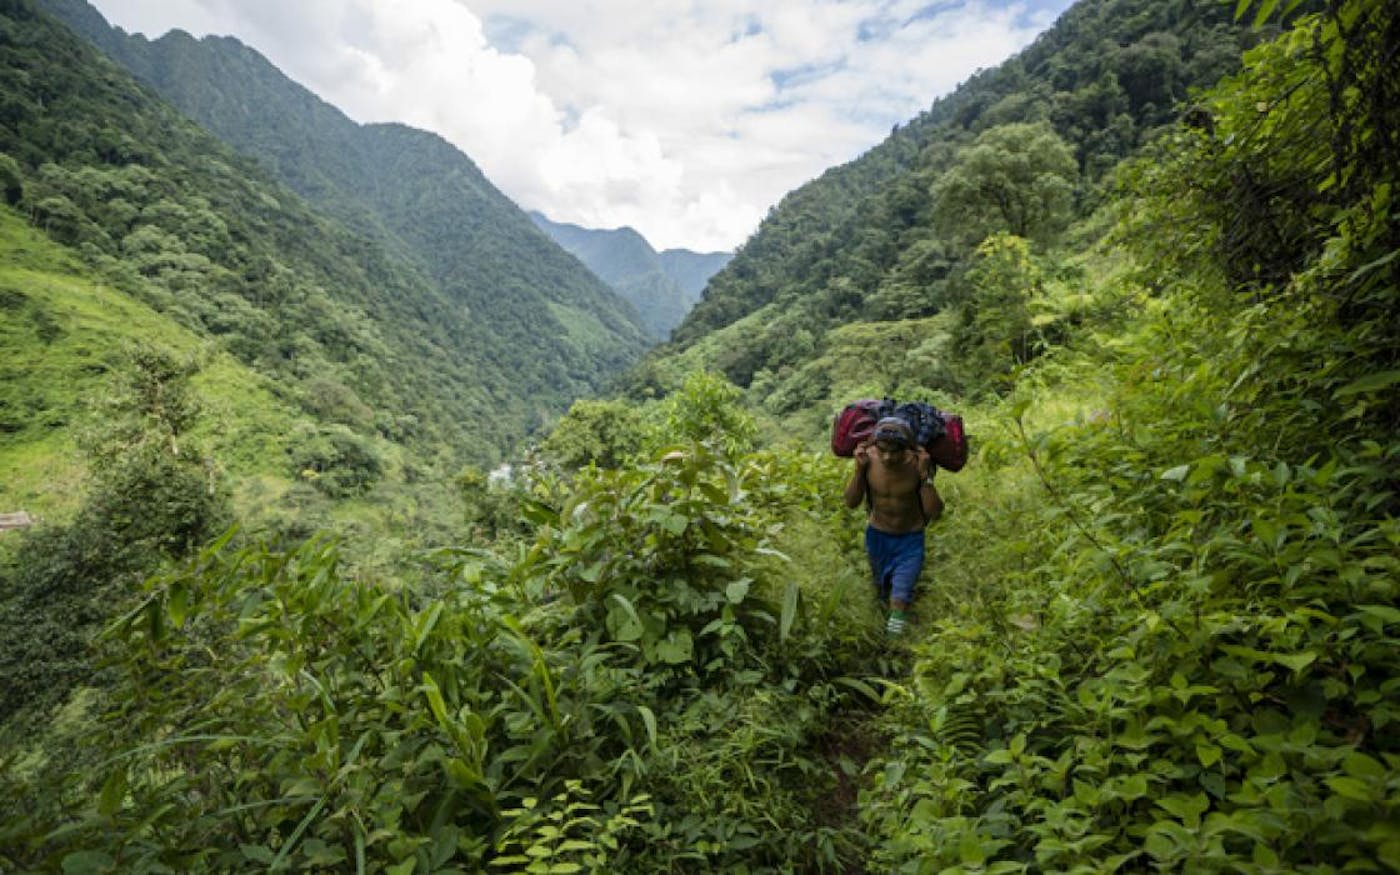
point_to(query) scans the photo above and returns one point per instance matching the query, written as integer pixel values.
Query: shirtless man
(896, 475)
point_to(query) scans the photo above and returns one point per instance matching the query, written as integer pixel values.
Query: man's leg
(879, 575)
(904, 575)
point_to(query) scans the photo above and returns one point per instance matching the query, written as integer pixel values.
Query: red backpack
(855, 423)
(949, 450)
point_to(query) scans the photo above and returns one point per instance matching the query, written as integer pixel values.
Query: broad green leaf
(1133, 787)
(1266, 9)
(676, 649)
(1359, 765)
(859, 686)
(736, 591)
(1370, 384)
(177, 604)
(463, 775)
(970, 850)
(91, 863)
(1264, 857)
(1188, 809)
(1389, 854)
(430, 689)
(1350, 788)
(1296, 661)
(671, 521)
(109, 801)
(649, 720)
(1178, 473)
(789, 616)
(1385, 613)
(425, 626)
(622, 620)
(537, 512)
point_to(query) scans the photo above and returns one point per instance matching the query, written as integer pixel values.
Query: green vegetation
(892, 235)
(500, 295)
(459, 355)
(1158, 633)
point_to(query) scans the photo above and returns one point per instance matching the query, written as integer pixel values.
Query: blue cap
(893, 429)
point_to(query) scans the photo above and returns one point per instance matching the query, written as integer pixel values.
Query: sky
(684, 119)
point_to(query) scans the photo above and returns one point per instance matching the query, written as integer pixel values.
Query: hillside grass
(61, 337)
(66, 337)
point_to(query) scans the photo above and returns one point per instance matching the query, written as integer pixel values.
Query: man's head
(892, 435)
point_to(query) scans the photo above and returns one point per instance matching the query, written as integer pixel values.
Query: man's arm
(930, 502)
(855, 487)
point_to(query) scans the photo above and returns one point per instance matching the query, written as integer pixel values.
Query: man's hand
(862, 454)
(925, 464)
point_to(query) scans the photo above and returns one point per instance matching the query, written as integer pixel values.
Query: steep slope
(415, 193)
(862, 242)
(662, 286)
(351, 332)
(65, 336)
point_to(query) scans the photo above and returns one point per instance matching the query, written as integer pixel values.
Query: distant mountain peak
(662, 286)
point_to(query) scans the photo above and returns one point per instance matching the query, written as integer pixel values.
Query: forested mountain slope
(420, 197)
(662, 286)
(868, 242)
(355, 331)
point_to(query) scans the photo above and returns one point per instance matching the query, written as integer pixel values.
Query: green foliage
(1017, 179)
(602, 433)
(388, 307)
(11, 180)
(154, 497)
(705, 407)
(994, 331)
(1184, 659)
(335, 460)
(551, 711)
(1160, 628)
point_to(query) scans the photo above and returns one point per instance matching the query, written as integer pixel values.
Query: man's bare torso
(893, 488)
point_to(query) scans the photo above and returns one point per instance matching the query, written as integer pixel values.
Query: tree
(602, 433)
(11, 180)
(1016, 178)
(994, 330)
(705, 407)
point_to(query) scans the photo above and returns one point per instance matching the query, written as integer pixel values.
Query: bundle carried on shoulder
(938, 431)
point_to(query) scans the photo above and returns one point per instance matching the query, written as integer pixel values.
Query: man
(895, 475)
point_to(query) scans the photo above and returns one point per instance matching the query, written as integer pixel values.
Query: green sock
(895, 624)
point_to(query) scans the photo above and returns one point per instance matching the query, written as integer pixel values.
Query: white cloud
(686, 119)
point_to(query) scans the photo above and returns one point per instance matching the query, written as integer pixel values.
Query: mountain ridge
(663, 286)
(408, 188)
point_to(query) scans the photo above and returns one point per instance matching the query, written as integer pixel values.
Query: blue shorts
(895, 562)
